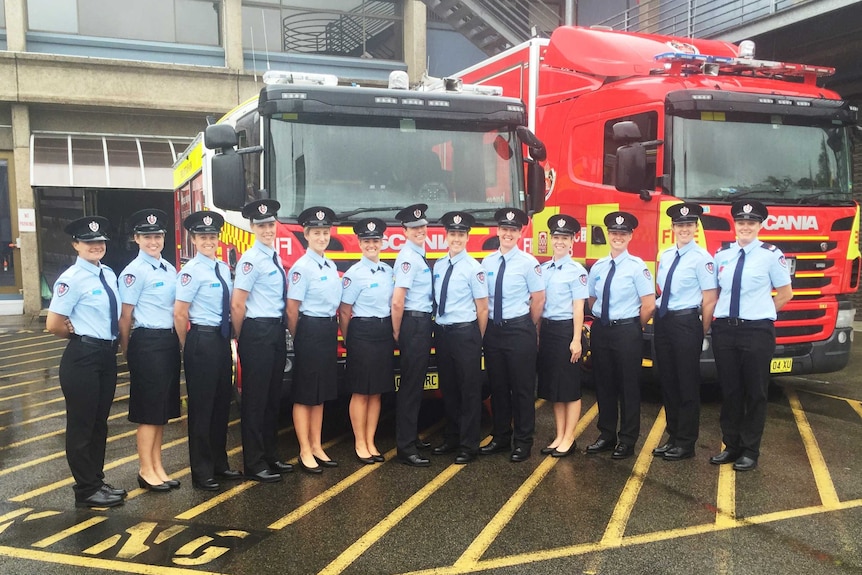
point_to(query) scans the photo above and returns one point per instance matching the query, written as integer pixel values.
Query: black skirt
(370, 349)
(315, 377)
(559, 378)
(154, 371)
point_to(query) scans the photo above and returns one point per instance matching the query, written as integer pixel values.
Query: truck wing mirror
(537, 148)
(220, 136)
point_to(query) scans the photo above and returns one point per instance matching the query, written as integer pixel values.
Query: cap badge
(747, 208)
(620, 220)
(456, 219)
(262, 208)
(683, 211)
(94, 226)
(320, 215)
(371, 226)
(510, 216)
(208, 221)
(417, 213)
(561, 223)
(152, 219)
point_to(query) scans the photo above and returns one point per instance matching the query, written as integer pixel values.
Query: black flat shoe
(623, 451)
(160, 488)
(599, 446)
(207, 485)
(414, 460)
(443, 449)
(378, 458)
(265, 476)
(172, 483)
(494, 447)
(677, 453)
(744, 463)
(422, 444)
(230, 474)
(566, 453)
(328, 462)
(724, 457)
(101, 499)
(663, 449)
(547, 450)
(365, 460)
(316, 470)
(465, 457)
(111, 490)
(520, 454)
(280, 467)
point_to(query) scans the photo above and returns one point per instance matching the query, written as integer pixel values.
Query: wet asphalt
(799, 512)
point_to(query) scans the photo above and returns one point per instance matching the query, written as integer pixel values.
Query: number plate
(431, 382)
(781, 365)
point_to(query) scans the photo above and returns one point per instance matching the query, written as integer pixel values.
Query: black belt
(325, 318)
(411, 313)
(623, 321)
(206, 328)
(546, 321)
(386, 319)
(155, 329)
(453, 326)
(735, 321)
(110, 343)
(267, 319)
(679, 312)
(516, 320)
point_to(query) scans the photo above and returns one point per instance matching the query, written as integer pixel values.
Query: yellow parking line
(822, 477)
(6, 366)
(626, 502)
(65, 533)
(725, 500)
(107, 565)
(856, 405)
(494, 527)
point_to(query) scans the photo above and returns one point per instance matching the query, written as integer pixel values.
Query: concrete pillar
(31, 278)
(415, 48)
(231, 34)
(16, 25)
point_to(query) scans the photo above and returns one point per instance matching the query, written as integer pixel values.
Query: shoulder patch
(710, 267)
(405, 267)
(538, 270)
(247, 267)
(185, 279)
(481, 277)
(647, 275)
(782, 261)
(129, 280)
(583, 279)
(295, 277)
(62, 289)
(769, 247)
(345, 282)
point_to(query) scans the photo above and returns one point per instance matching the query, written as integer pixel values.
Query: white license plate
(781, 365)
(431, 381)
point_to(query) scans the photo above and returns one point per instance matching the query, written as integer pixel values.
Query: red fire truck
(638, 121)
(307, 141)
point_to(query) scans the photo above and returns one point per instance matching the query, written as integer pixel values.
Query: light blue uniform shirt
(694, 273)
(413, 273)
(522, 277)
(367, 286)
(80, 296)
(466, 284)
(257, 274)
(199, 286)
(764, 269)
(565, 281)
(632, 280)
(150, 285)
(314, 281)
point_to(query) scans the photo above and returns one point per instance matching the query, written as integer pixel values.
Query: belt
(516, 320)
(206, 328)
(155, 329)
(386, 319)
(267, 319)
(546, 321)
(679, 312)
(623, 321)
(459, 325)
(111, 343)
(734, 321)
(411, 313)
(325, 318)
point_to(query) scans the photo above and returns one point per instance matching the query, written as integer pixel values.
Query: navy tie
(277, 263)
(441, 309)
(665, 292)
(115, 313)
(498, 293)
(225, 305)
(606, 295)
(736, 287)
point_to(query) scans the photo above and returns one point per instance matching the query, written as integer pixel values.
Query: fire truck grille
(809, 283)
(801, 314)
(804, 247)
(797, 331)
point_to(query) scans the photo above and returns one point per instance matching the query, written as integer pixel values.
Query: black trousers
(414, 343)
(459, 362)
(207, 359)
(88, 378)
(742, 357)
(678, 341)
(510, 359)
(616, 353)
(263, 354)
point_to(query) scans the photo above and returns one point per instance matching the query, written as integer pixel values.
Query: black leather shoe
(172, 483)
(365, 460)
(265, 476)
(422, 444)
(414, 460)
(280, 467)
(444, 449)
(206, 485)
(677, 453)
(327, 462)
(111, 490)
(622, 451)
(547, 450)
(378, 458)
(230, 474)
(160, 488)
(744, 463)
(724, 457)
(465, 457)
(663, 449)
(566, 453)
(101, 499)
(316, 470)
(599, 446)
(494, 447)
(520, 454)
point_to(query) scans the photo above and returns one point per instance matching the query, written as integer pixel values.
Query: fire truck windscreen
(376, 165)
(773, 158)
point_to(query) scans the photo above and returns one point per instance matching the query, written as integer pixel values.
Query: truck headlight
(845, 318)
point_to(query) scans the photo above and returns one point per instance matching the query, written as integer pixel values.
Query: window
(647, 122)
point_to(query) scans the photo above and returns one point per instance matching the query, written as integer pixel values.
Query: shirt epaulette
(769, 247)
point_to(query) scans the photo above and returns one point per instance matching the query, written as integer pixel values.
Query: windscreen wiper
(345, 215)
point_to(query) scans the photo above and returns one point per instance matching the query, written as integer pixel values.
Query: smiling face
(684, 232)
(746, 231)
(371, 248)
(508, 237)
(151, 244)
(457, 241)
(206, 244)
(619, 241)
(264, 233)
(318, 239)
(92, 252)
(562, 244)
(416, 235)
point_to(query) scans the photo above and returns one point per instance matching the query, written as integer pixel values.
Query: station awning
(104, 160)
